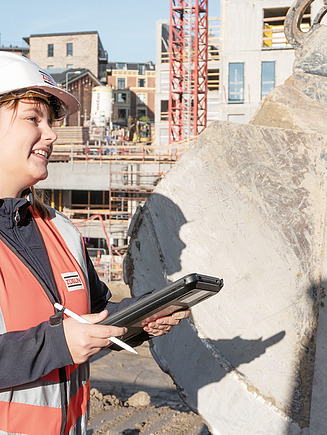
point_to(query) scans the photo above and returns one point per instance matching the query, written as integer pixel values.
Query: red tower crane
(188, 56)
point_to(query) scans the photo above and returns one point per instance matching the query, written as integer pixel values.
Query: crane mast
(188, 56)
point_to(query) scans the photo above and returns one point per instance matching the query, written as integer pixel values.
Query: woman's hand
(163, 325)
(85, 340)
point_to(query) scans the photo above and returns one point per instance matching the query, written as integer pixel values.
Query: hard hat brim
(71, 103)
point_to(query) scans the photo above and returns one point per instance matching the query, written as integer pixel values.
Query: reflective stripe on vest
(36, 408)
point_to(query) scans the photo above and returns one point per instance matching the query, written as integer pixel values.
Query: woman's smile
(26, 139)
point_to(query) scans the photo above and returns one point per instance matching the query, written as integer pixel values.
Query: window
(140, 113)
(236, 83)
(164, 110)
(141, 83)
(120, 83)
(141, 98)
(50, 50)
(267, 77)
(141, 69)
(50, 67)
(69, 49)
(69, 65)
(213, 52)
(120, 65)
(122, 113)
(213, 80)
(121, 97)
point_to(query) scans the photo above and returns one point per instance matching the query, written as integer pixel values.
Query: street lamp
(67, 74)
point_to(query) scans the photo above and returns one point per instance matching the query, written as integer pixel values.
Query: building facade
(69, 50)
(134, 90)
(255, 55)
(248, 56)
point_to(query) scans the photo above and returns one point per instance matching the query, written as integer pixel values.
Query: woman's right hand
(84, 340)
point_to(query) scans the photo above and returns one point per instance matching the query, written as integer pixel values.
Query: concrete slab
(247, 204)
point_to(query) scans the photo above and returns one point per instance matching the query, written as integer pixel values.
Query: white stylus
(80, 319)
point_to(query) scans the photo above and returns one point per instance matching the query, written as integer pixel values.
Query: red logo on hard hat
(47, 78)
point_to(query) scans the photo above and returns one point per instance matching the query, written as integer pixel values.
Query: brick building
(134, 90)
(69, 50)
(79, 83)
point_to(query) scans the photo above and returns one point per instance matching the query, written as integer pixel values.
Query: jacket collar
(14, 210)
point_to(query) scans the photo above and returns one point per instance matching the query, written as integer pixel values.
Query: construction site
(228, 180)
(101, 173)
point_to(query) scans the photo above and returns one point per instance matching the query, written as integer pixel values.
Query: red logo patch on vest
(73, 281)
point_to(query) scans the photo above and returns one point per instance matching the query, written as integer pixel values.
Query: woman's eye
(33, 119)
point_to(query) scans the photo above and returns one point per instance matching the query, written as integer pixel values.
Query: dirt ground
(131, 395)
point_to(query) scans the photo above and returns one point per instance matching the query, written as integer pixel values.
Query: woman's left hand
(163, 325)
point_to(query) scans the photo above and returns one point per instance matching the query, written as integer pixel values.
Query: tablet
(183, 293)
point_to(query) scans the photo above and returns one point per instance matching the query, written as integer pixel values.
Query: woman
(44, 382)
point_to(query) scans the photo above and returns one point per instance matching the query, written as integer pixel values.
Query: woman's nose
(49, 134)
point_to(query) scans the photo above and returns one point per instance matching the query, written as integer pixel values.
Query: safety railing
(106, 153)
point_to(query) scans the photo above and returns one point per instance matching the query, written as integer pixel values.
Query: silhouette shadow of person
(154, 255)
(155, 260)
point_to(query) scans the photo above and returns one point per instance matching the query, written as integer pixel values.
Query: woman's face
(26, 139)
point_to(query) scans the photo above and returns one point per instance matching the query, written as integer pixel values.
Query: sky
(127, 28)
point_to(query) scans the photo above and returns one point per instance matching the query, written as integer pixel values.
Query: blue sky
(126, 27)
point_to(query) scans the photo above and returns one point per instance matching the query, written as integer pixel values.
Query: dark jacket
(28, 355)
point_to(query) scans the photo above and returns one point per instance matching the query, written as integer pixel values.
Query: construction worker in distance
(44, 382)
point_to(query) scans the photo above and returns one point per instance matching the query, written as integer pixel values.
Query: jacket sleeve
(100, 300)
(25, 356)
(100, 293)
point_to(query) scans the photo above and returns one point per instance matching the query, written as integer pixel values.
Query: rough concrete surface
(247, 204)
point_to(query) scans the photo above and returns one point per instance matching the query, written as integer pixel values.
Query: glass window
(50, 50)
(120, 83)
(69, 49)
(141, 83)
(122, 113)
(141, 98)
(236, 83)
(141, 69)
(50, 67)
(121, 97)
(120, 65)
(267, 77)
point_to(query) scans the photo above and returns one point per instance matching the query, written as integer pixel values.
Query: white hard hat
(17, 73)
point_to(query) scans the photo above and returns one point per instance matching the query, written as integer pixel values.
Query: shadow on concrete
(161, 220)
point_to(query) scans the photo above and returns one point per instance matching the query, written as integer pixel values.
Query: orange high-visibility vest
(58, 402)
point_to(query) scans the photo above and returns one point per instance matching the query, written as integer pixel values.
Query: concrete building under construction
(100, 184)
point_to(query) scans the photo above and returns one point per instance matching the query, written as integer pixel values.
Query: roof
(46, 35)
(130, 66)
(60, 75)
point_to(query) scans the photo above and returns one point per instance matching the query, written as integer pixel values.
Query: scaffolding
(132, 171)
